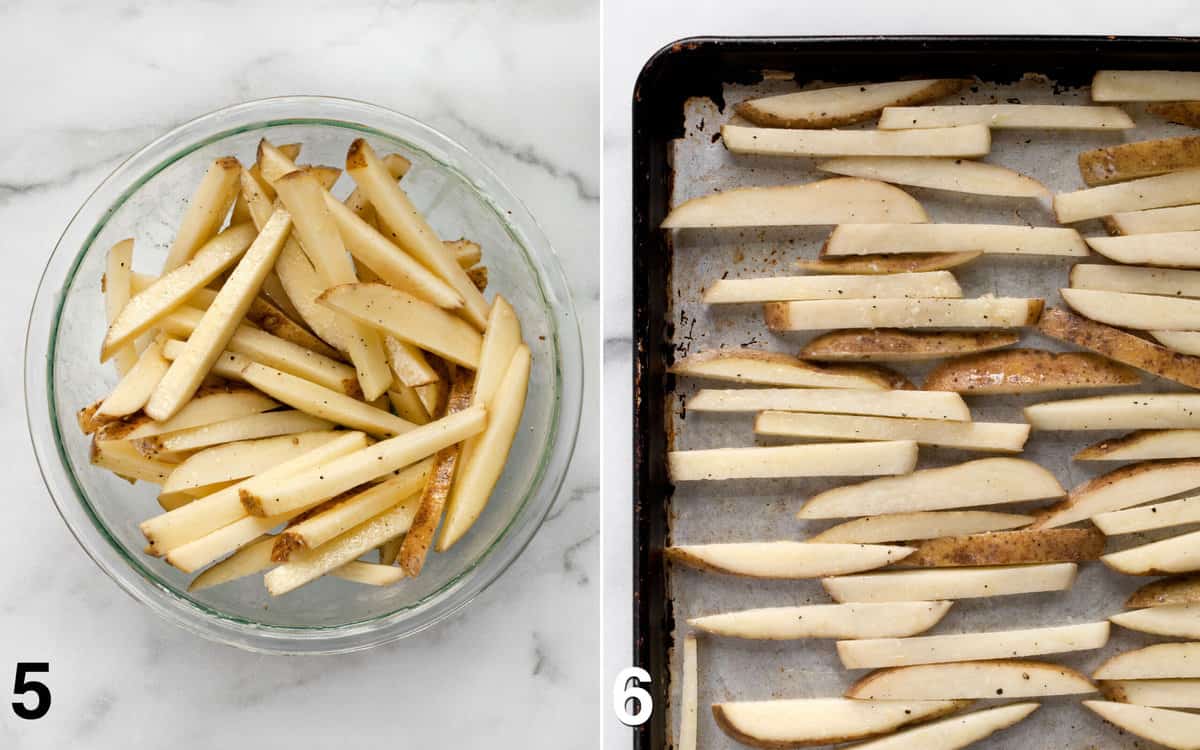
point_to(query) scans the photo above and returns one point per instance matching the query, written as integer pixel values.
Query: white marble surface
(634, 30)
(86, 83)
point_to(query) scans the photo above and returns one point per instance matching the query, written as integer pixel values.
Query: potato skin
(887, 263)
(1184, 589)
(1103, 166)
(1120, 346)
(1180, 113)
(1008, 548)
(1028, 371)
(900, 345)
(935, 90)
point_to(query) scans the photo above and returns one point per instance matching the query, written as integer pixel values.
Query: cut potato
(1181, 113)
(987, 481)
(238, 460)
(895, 345)
(369, 574)
(1122, 488)
(1007, 678)
(121, 458)
(981, 436)
(309, 486)
(873, 653)
(1174, 620)
(1129, 411)
(992, 239)
(951, 583)
(1178, 554)
(1019, 547)
(773, 288)
(802, 722)
(899, 527)
(1179, 730)
(1120, 346)
(1144, 86)
(1028, 371)
(139, 381)
(915, 404)
(1160, 661)
(786, 559)
(500, 342)
(409, 363)
(303, 286)
(982, 312)
(1184, 342)
(1171, 249)
(1166, 592)
(116, 285)
(882, 620)
(1161, 693)
(1136, 280)
(251, 559)
(688, 715)
(955, 175)
(1171, 189)
(772, 368)
(823, 460)
(842, 105)
(1154, 220)
(397, 167)
(211, 405)
(1127, 161)
(1006, 116)
(967, 140)
(1149, 517)
(192, 556)
(173, 289)
(206, 210)
(407, 318)
(885, 264)
(840, 200)
(1145, 445)
(954, 732)
(324, 403)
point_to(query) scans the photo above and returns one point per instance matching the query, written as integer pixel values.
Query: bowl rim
(131, 573)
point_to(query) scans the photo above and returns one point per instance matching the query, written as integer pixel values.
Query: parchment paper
(754, 510)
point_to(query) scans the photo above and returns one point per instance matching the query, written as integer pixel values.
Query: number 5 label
(628, 689)
(22, 685)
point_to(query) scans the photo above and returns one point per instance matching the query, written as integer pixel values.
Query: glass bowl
(143, 198)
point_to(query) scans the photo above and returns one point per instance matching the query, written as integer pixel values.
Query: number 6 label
(628, 689)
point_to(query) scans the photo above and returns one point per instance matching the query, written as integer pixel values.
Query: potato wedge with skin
(1160, 661)
(816, 460)
(119, 457)
(1178, 554)
(1180, 113)
(1007, 678)
(1168, 282)
(954, 175)
(368, 574)
(951, 583)
(1144, 85)
(873, 653)
(986, 481)
(1179, 730)
(1171, 189)
(1127, 161)
(774, 288)
(885, 264)
(1166, 592)
(206, 210)
(173, 289)
(967, 140)
(1174, 620)
(689, 690)
(1145, 445)
(139, 381)
(1015, 371)
(1147, 517)
(842, 105)
(938, 406)
(980, 436)
(1131, 411)
(896, 345)
(907, 527)
(1006, 116)
(983, 312)
(954, 732)
(802, 722)
(866, 620)
(839, 200)
(990, 239)
(1159, 693)
(773, 368)
(407, 318)
(115, 284)
(1154, 220)
(324, 403)
(1120, 346)
(785, 559)
(1170, 249)
(241, 459)
(1020, 547)
(211, 405)
(1125, 487)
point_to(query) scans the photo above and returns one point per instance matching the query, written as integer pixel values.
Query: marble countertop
(88, 83)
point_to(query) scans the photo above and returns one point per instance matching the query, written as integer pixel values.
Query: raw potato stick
(786, 559)
(1147, 517)
(211, 405)
(950, 583)
(1006, 116)
(251, 427)
(1125, 487)
(984, 312)
(688, 716)
(1174, 729)
(241, 459)
(1185, 342)
(1171, 189)
(1127, 411)
(139, 381)
(954, 175)
(912, 404)
(324, 403)
(973, 679)
(1144, 86)
(800, 722)
(369, 574)
(842, 105)
(954, 732)
(247, 561)
(981, 436)
(1169, 249)
(1174, 620)
(1159, 661)
(206, 211)
(773, 288)
(1019, 547)
(1177, 554)
(899, 527)
(874, 653)
(839, 200)
(123, 460)
(824, 460)
(1154, 220)
(773, 368)
(1144, 445)
(896, 345)
(397, 167)
(1166, 592)
(116, 287)
(871, 239)
(1014, 371)
(967, 140)
(882, 620)
(885, 264)
(1136, 280)
(1161, 693)
(1127, 161)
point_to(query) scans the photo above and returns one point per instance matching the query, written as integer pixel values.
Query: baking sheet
(753, 510)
